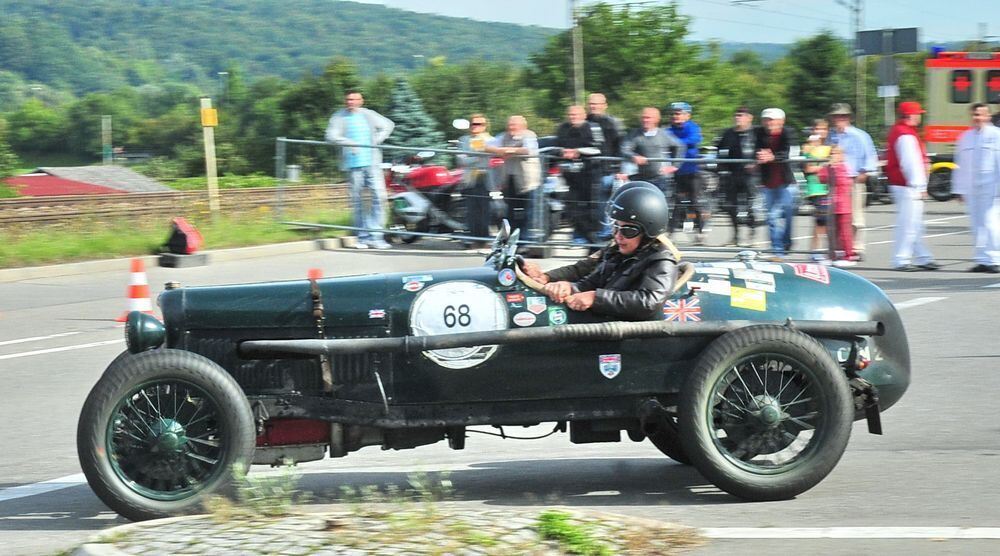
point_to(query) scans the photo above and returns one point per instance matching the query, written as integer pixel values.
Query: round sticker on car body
(455, 307)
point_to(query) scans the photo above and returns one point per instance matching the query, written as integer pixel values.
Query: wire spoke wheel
(766, 413)
(161, 431)
(164, 439)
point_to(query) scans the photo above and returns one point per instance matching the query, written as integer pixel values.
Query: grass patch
(574, 538)
(126, 238)
(7, 192)
(225, 182)
(259, 496)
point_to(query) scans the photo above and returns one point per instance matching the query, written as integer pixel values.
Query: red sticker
(515, 298)
(814, 272)
(413, 286)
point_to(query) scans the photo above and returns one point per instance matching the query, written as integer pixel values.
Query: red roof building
(40, 185)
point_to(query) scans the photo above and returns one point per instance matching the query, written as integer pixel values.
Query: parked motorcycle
(423, 198)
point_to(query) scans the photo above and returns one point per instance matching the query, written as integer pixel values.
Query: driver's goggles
(628, 231)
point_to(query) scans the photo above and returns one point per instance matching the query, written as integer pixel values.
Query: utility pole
(574, 15)
(106, 152)
(857, 10)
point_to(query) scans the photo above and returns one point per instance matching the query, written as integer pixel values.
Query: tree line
(636, 55)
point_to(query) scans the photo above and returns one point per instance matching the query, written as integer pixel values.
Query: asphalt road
(936, 466)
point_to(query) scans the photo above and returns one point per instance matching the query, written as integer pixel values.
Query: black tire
(761, 441)
(397, 231)
(667, 439)
(148, 461)
(939, 185)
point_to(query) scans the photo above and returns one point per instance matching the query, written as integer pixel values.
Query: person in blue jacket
(687, 179)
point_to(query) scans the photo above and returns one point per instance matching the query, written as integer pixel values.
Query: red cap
(909, 108)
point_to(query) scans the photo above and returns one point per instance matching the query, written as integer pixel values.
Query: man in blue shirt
(687, 179)
(860, 159)
(355, 125)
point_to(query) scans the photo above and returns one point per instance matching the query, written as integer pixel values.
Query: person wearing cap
(861, 160)
(774, 142)
(976, 181)
(687, 180)
(737, 142)
(906, 170)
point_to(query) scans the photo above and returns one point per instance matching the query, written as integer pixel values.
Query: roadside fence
(549, 202)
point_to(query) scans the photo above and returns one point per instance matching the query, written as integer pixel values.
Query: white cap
(773, 114)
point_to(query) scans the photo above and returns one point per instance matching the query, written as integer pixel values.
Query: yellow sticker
(744, 298)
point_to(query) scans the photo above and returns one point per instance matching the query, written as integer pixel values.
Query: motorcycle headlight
(143, 332)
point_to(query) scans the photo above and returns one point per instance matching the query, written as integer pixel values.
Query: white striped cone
(138, 291)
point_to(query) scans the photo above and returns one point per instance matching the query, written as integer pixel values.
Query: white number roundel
(453, 307)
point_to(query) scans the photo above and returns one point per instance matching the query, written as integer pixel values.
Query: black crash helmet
(643, 204)
(628, 187)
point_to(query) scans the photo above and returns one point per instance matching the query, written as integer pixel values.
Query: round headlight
(143, 332)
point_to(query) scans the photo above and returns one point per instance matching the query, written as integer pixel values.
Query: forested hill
(102, 44)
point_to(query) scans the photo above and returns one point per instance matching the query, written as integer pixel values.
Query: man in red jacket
(906, 170)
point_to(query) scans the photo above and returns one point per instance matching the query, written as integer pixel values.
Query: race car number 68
(462, 317)
(459, 305)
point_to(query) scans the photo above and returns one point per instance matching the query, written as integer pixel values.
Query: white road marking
(58, 349)
(36, 338)
(925, 237)
(22, 491)
(992, 286)
(917, 302)
(851, 532)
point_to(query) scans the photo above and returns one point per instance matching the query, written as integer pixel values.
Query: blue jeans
(780, 206)
(607, 183)
(360, 179)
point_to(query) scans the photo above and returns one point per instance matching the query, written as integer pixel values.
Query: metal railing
(536, 201)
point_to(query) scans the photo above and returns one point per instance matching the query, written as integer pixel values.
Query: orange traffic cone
(315, 273)
(138, 291)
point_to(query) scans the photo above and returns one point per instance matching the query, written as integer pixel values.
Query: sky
(778, 21)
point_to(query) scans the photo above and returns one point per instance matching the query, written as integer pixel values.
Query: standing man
(738, 142)
(976, 181)
(355, 125)
(608, 132)
(774, 142)
(861, 160)
(686, 179)
(906, 170)
(651, 141)
(476, 177)
(521, 171)
(572, 135)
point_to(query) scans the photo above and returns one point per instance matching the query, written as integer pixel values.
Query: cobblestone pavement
(416, 529)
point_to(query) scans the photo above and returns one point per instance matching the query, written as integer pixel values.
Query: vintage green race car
(754, 375)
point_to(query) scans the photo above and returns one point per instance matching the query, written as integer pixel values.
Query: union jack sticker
(682, 310)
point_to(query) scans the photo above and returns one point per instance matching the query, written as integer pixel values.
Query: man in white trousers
(977, 183)
(906, 170)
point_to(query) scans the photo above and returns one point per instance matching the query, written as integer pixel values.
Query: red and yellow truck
(955, 81)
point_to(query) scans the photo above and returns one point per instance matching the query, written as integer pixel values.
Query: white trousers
(908, 237)
(984, 214)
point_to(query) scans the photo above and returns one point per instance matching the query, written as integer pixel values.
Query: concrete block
(172, 260)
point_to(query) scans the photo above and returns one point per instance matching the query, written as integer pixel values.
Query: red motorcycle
(423, 198)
